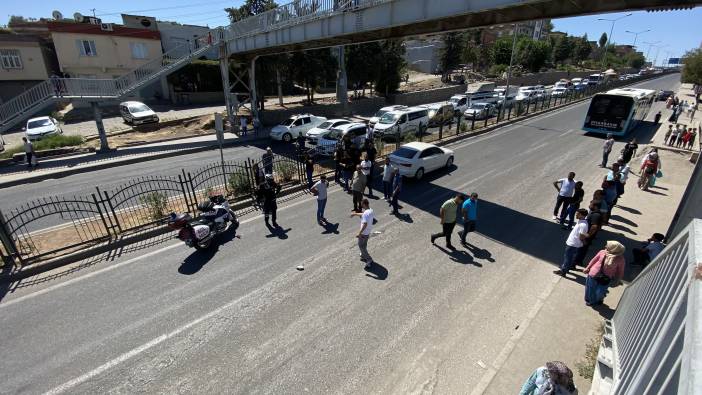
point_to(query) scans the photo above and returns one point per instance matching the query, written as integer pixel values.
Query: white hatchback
(40, 127)
(415, 159)
(295, 126)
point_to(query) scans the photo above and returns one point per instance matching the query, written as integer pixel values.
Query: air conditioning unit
(108, 27)
(94, 21)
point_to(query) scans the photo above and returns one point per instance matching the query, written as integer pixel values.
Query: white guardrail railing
(653, 344)
(76, 88)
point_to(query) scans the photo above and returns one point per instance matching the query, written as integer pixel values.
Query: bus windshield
(608, 112)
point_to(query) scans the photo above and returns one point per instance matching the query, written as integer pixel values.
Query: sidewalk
(61, 167)
(684, 93)
(562, 326)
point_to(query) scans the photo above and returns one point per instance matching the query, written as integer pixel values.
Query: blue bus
(618, 111)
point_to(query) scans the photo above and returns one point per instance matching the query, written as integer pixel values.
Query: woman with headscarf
(553, 379)
(649, 167)
(605, 269)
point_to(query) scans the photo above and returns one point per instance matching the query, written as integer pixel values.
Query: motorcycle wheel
(204, 245)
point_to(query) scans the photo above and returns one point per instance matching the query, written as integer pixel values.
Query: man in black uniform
(267, 193)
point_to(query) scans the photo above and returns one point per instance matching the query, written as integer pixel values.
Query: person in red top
(605, 269)
(649, 168)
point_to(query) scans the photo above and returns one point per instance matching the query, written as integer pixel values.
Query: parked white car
(416, 159)
(294, 126)
(137, 113)
(40, 127)
(325, 126)
(559, 91)
(526, 93)
(325, 142)
(374, 119)
(480, 111)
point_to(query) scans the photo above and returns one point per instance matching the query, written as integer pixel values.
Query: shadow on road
(377, 272)
(198, 259)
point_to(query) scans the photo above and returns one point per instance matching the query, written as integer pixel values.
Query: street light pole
(509, 70)
(609, 38)
(636, 35)
(649, 48)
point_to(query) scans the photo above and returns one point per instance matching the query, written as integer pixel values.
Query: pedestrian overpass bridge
(308, 24)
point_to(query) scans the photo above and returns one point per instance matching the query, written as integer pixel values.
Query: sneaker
(559, 272)
(450, 247)
(368, 265)
(432, 239)
(555, 218)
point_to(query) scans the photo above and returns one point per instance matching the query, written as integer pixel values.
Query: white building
(173, 34)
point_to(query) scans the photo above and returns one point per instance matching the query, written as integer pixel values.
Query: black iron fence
(56, 226)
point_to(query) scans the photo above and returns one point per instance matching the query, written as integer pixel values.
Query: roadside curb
(41, 267)
(127, 161)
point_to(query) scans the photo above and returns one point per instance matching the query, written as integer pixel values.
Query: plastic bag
(659, 174)
(652, 181)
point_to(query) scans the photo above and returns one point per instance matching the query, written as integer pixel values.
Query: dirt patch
(198, 126)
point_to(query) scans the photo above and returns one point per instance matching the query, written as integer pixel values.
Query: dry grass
(586, 366)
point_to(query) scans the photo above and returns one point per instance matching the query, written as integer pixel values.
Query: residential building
(624, 50)
(86, 50)
(423, 54)
(536, 30)
(25, 60)
(173, 35)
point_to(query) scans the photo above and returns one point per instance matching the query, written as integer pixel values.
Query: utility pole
(609, 38)
(509, 70)
(93, 10)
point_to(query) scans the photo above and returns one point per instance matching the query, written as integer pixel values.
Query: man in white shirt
(565, 193)
(320, 189)
(574, 242)
(364, 232)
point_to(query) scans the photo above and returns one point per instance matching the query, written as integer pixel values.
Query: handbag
(601, 278)
(659, 174)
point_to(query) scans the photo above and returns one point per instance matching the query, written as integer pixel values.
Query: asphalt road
(243, 320)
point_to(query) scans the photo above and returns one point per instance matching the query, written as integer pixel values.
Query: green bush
(285, 170)
(155, 203)
(409, 138)
(239, 184)
(497, 69)
(51, 142)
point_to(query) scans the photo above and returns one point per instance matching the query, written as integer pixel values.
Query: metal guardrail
(293, 13)
(653, 344)
(41, 94)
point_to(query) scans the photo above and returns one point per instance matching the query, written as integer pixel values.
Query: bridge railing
(653, 344)
(293, 13)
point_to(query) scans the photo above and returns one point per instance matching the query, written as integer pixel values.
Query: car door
(403, 125)
(306, 124)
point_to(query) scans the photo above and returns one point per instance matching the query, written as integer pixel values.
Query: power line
(166, 8)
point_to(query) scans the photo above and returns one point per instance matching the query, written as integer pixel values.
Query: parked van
(462, 102)
(374, 119)
(136, 113)
(439, 113)
(402, 122)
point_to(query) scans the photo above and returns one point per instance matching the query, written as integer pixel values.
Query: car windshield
(288, 122)
(455, 99)
(405, 152)
(478, 106)
(388, 118)
(380, 113)
(39, 123)
(138, 108)
(325, 125)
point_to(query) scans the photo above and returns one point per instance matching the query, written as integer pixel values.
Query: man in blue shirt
(469, 212)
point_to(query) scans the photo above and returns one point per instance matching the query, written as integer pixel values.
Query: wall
(174, 34)
(427, 96)
(114, 55)
(34, 66)
(363, 107)
(184, 98)
(423, 55)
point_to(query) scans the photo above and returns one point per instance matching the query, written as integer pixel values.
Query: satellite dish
(78, 17)
(57, 15)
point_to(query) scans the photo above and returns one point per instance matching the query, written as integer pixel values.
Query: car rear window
(404, 152)
(39, 123)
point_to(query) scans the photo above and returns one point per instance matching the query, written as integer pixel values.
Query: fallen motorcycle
(216, 217)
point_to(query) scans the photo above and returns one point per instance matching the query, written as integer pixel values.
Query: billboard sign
(674, 61)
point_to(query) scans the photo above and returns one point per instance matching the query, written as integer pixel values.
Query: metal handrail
(293, 13)
(656, 332)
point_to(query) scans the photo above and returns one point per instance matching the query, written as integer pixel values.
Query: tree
(562, 50)
(451, 53)
(361, 63)
(250, 8)
(581, 49)
(389, 72)
(532, 54)
(635, 60)
(692, 67)
(502, 51)
(311, 68)
(603, 40)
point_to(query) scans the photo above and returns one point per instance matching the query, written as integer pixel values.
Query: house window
(86, 47)
(10, 59)
(139, 50)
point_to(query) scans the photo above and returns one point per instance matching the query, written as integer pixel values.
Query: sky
(675, 32)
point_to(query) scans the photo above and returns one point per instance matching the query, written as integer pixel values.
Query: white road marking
(567, 132)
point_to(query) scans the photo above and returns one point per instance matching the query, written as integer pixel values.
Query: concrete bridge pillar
(97, 114)
(252, 88)
(342, 94)
(226, 87)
